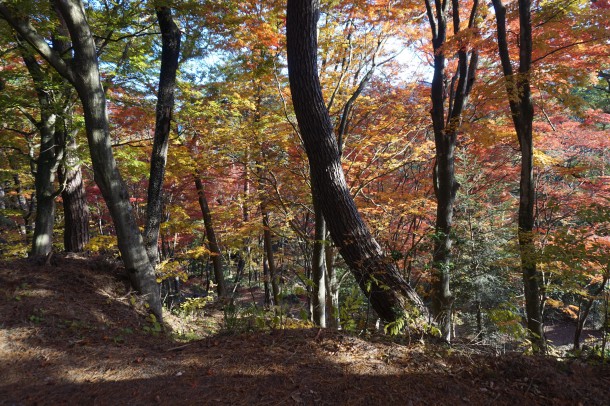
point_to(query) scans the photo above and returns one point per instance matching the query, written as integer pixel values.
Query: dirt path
(70, 334)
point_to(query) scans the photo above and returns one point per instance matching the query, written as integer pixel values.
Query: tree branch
(29, 33)
(569, 46)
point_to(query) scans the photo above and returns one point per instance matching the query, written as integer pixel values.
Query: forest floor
(72, 333)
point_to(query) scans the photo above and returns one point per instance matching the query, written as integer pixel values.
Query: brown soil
(71, 333)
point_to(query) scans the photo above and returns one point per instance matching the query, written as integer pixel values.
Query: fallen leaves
(52, 363)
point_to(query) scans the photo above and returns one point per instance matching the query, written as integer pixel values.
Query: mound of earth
(72, 333)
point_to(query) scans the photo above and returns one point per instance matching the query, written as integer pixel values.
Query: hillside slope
(70, 334)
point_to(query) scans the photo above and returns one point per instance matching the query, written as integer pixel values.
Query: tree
(378, 278)
(170, 53)
(83, 73)
(211, 236)
(319, 267)
(76, 209)
(58, 156)
(448, 102)
(522, 110)
(47, 160)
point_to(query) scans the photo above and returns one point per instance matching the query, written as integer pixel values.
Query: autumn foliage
(234, 127)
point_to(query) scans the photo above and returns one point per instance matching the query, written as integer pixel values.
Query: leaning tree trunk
(108, 178)
(170, 52)
(106, 174)
(377, 276)
(211, 236)
(522, 110)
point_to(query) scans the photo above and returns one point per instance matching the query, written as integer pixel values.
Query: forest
(411, 179)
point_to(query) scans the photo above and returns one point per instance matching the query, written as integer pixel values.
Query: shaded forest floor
(71, 333)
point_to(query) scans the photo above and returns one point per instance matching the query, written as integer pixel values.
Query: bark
(376, 275)
(522, 110)
(319, 268)
(76, 209)
(170, 53)
(211, 236)
(83, 73)
(446, 124)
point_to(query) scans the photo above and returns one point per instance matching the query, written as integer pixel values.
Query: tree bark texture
(83, 73)
(76, 209)
(170, 52)
(376, 275)
(522, 110)
(446, 121)
(211, 237)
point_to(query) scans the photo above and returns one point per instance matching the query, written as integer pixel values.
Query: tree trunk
(377, 276)
(446, 123)
(332, 286)
(26, 208)
(76, 210)
(170, 52)
(267, 241)
(244, 256)
(583, 315)
(2, 197)
(480, 333)
(266, 279)
(46, 168)
(319, 268)
(47, 161)
(580, 323)
(522, 110)
(445, 186)
(74, 198)
(211, 236)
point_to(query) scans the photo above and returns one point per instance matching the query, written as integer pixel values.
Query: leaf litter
(71, 333)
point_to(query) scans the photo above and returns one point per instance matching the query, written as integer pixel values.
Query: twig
(178, 348)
